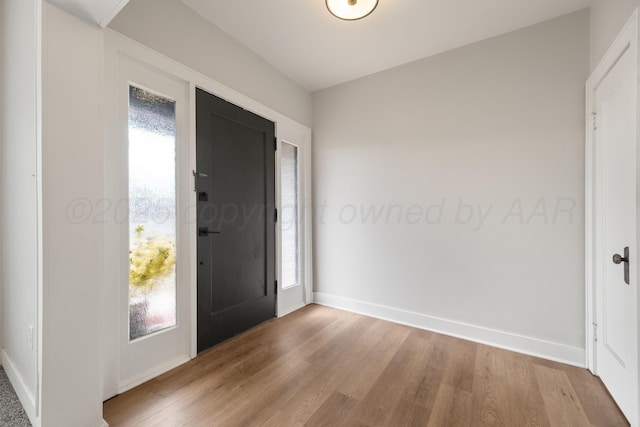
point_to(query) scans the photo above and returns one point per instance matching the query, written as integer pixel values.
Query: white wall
(175, 30)
(18, 191)
(72, 235)
(483, 130)
(2, 37)
(607, 19)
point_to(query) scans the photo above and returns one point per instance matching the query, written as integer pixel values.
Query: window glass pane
(290, 215)
(152, 213)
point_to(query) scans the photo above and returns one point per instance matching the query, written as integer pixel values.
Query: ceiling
(303, 40)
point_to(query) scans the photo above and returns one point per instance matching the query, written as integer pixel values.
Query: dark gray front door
(235, 184)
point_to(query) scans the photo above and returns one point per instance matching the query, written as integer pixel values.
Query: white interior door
(616, 184)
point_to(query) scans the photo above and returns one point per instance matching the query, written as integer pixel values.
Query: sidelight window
(152, 212)
(290, 222)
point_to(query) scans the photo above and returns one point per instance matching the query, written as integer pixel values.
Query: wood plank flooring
(326, 367)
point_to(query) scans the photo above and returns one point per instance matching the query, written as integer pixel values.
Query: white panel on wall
(453, 187)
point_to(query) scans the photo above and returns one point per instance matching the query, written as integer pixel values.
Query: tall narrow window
(152, 213)
(290, 221)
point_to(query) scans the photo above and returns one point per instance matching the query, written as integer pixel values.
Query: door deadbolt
(618, 259)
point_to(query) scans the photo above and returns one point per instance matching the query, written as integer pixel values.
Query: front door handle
(617, 259)
(204, 231)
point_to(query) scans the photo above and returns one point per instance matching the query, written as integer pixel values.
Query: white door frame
(627, 39)
(118, 45)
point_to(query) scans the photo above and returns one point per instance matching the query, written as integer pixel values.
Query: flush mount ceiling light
(351, 10)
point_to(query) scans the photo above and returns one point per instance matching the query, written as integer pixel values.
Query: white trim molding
(506, 340)
(27, 398)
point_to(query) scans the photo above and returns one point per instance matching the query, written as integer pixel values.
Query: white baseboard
(104, 424)
(152, 373)
(26, 397)
(556, 352)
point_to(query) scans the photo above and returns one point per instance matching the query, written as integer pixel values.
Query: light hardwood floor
(320, 366)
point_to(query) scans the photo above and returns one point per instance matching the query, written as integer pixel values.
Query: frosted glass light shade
(351, 10)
